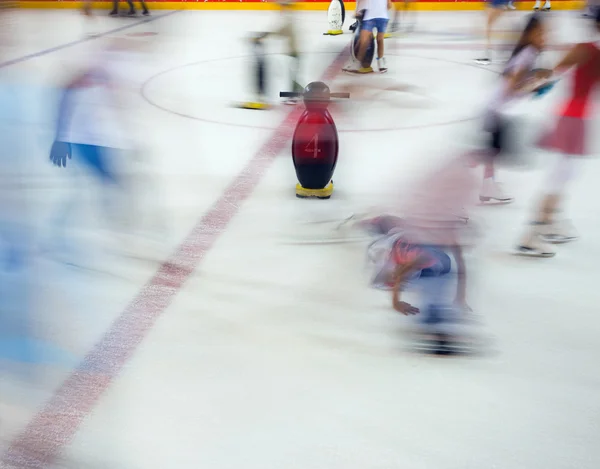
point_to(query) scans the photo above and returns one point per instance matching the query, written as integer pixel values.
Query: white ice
(276, 354)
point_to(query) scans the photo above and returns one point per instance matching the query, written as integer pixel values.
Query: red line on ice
(55, 425)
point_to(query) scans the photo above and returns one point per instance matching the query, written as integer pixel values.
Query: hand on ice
(405, 308)
(463, 307)
(59, 153)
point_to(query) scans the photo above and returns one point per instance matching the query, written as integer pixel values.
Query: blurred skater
(287, 31)
(424, 245)
(568, 138)
(495, 9)
(90, 24)
(86, 8)
(404, 16)
(132, 12)
(513, 86)
(591, 6)
(94, 129)
(374, 15)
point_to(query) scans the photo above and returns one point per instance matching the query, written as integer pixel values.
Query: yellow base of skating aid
(333, 32)
(360, 71)
(324, 193)
(254, 105)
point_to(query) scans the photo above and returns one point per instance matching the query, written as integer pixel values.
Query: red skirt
(568, 137)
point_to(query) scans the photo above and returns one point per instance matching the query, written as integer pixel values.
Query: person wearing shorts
(494, 11)
(399, 262)
(376, 16)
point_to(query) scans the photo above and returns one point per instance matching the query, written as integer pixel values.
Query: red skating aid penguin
(315, 143)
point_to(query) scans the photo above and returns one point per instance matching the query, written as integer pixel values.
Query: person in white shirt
(93, 126)
(375, 16)
(513, 86)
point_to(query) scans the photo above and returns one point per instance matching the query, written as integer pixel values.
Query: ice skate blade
(562, 240)
(443, 348)
(493, 201)
(528, 252)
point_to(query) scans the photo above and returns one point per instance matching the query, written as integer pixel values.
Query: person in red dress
(568, 138)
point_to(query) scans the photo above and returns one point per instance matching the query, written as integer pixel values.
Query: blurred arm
(65, 109)
(401, 274)
(360, 6)
(461, 286)
(574, 57)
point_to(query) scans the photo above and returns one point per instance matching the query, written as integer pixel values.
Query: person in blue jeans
(375, 16)
(399, 261)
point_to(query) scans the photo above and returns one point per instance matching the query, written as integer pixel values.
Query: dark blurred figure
(288, 31)
(132, 12)
(591, 6)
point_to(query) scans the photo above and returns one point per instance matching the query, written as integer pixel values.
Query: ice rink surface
(230, 338)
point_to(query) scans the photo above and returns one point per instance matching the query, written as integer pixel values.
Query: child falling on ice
(425, 248)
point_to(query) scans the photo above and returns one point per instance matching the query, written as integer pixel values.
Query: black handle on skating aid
(292, 94)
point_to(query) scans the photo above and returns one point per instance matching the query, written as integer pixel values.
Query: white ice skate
(547, 5)
(534, 246)
(484, 60)
(492, 193)
(351, 66)
(382, 65)
(558, 232)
